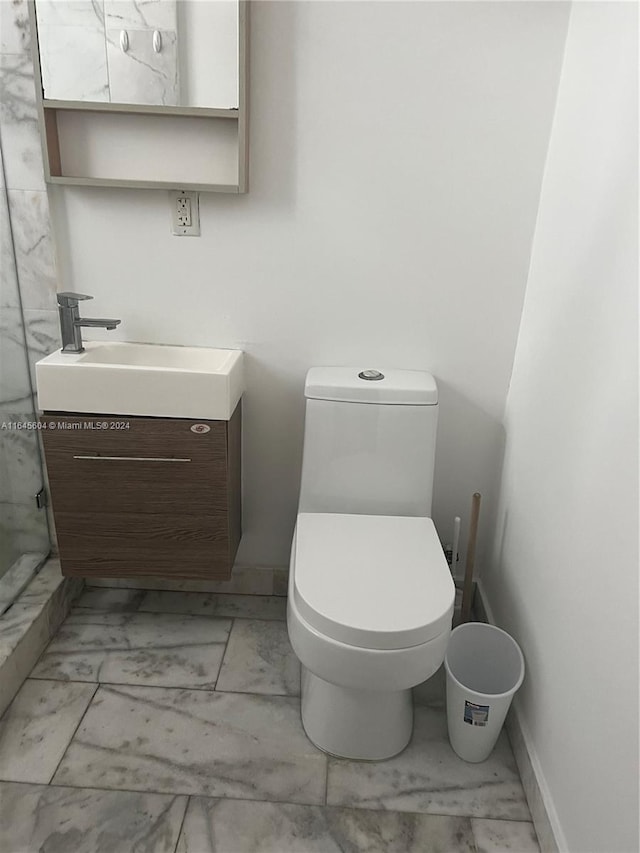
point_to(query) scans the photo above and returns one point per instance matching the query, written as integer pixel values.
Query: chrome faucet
(71, 322)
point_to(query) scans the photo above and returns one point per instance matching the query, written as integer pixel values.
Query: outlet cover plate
(185, 213)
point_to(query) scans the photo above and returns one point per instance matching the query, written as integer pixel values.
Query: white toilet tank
(369, 442)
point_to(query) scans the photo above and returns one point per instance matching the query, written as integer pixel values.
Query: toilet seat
(373, 581)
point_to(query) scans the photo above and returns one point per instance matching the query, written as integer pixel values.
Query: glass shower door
(24, 533)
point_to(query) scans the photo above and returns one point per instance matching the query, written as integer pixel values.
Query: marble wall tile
(259, 659)
(18, 123)
(136, 648)
(71, 820)
(500, 836)
(232, 825)
(35, 254)
(26, 225)
(25, 629)
(19, 649)
(20, 472)
(44, 585)
(20, 456)
(74, 62)
(43, 337)
(14, 371)
(245, 580)
(9, 293)
(136, 14)
(12, 677)
(23, 529)
(49, 593)
(142, 76)
(429, 777)
(60, 602)
(17, 91)
(15, 411)
(202, 604)
(83, 60)
(15, 33)
(70, 13)
(216, 744)
(23, 624)
(30, 746)
(16, 578)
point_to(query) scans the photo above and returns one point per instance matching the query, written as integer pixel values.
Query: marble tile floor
(170, 721)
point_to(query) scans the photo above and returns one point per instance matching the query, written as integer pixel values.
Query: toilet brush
(467, 589)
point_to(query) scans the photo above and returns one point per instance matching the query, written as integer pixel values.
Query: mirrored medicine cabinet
(143, 93)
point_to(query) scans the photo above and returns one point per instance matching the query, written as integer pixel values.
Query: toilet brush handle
(467, 589)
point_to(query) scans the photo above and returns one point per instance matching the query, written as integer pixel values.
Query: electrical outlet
(185, 213)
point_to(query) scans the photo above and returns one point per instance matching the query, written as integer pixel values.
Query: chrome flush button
(371, 375)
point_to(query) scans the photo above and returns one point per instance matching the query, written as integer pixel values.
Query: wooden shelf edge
(138, 109)
(152, 185)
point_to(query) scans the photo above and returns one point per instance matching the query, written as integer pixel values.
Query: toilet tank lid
(396, 387)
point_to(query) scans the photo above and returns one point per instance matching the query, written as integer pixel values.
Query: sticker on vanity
(200, 428)
(476, 715)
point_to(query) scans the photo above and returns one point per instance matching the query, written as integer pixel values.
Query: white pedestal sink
(142, 379)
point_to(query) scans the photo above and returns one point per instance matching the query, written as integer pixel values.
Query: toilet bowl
(370, 593)
(369, 614)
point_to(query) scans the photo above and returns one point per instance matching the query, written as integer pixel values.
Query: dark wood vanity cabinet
(135, 496)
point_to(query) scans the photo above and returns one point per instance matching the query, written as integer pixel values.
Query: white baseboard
(543, 812)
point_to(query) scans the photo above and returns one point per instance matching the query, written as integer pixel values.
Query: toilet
(370, 592)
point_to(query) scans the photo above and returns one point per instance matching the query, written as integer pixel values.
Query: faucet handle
(70, 300)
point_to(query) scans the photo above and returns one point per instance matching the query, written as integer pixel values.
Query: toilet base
(362, 724)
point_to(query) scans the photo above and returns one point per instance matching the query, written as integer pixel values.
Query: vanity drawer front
(154, 466)
(154, 499)
(136, 544)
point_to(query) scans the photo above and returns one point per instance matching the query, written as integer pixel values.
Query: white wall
(564, 579)
(397, 152)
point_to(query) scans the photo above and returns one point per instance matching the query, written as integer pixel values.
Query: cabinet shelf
(69, 180)
(140, 109)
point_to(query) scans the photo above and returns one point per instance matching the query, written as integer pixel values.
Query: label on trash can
(476, 715)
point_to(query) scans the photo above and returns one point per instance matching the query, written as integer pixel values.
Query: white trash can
(484, 668)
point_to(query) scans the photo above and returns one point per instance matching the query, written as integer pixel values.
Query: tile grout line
(501, 819)
(184, 817)
(204, 796)
(224, 654)
(185, 591)
(133, 589)
(163, 686)
(473, 836)
(75, 731)
(191, 795)
(220, 692)
(326, 781)
(178, 613)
